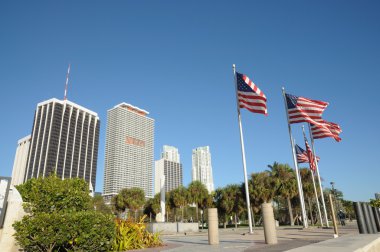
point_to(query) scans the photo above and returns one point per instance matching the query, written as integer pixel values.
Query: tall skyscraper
(19, 164)
(64, 140)
(169, 165)
(128, 151)
(202, 169)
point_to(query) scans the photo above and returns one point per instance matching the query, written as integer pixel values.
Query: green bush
(375, 203)
(61, 218)
(133, 235)
(60, 231)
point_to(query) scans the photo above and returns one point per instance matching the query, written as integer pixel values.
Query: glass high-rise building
(169, 165)
(128, 151)
(202, 168)
(64, 140)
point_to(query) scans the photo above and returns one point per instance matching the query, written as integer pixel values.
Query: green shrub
(62, 218)
(60, 231)
(133, 235)
(375, 203)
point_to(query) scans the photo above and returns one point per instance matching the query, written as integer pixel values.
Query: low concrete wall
(15, 212)
(355, 243)
(374, 246)
(162, 227)
(187, 227)
(172, 228)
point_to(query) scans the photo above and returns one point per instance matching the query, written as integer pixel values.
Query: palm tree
(131, 198)
(227, 201)
(219, 197)
(168, 205)
(179, 197)
(197, 194)
(156, 206)
(264, 187)
(235, 195)
(308, 189)
(117, 204)
(286, 184)
(99, 205)
(255, 204)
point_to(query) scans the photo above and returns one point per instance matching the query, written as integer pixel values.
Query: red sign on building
(135, 141)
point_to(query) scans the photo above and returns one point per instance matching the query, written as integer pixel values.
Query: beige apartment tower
(128, 151)
(19, 164)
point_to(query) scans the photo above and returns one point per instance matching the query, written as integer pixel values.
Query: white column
(162, 202)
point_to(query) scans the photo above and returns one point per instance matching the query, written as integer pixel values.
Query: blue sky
(174, 59)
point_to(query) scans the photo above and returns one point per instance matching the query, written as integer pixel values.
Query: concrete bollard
(367, 219)
(372, 218)
(377, 218)
(269, 224)
(360, 218)
(213, 226)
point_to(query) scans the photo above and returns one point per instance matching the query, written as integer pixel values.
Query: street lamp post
(332, 188)
(334, 194)
(202, 218)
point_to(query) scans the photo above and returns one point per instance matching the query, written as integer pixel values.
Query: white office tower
(169, 166)
(19, 164)
(128, 150)
(202, 169)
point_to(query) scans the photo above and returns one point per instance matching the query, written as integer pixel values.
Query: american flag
(326, 129)
(302, 109)
(304, 156)
(250, 96)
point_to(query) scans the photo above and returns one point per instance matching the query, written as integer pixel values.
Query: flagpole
(319, 177)
(304, 217)
(67, 83)
(312, 176)
(243, 155)
(303, 207)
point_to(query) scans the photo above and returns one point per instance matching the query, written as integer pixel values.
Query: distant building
(377, 195)
(169, 165)
(64, 141)
(202, 168)
(170, 153)
(128, 150)
(21, 157)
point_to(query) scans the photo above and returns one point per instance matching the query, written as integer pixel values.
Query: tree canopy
(129, 198)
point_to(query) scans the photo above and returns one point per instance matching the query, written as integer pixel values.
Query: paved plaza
(239, 239)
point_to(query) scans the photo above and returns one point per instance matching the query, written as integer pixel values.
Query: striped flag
(326, 129)
(304, 156)
(310, 155)
(250, 96)
(301, 155)
(302, 109)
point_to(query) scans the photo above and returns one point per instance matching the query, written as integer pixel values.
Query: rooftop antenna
(67, 83)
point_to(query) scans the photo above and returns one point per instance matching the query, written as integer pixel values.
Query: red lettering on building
(134, 141)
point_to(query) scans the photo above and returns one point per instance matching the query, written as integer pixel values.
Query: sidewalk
(235, 240)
